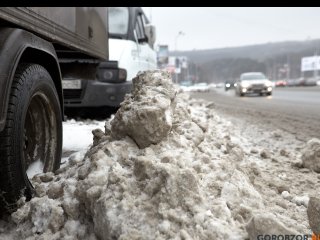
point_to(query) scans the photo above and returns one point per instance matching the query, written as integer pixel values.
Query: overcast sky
(216, 27)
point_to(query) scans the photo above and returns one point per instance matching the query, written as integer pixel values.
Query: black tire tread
(8, 183)
(10, 188)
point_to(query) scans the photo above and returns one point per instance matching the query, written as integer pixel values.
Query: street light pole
(180, 33)
(315, 70)
(288, 68)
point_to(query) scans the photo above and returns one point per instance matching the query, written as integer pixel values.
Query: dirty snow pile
(165, 167)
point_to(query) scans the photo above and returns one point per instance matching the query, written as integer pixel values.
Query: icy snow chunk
(46, 214)
(98, 135)
(71, 207)
(286, 195)
(146, 114)
(235, 151)
(21, 214)
(301, 200)
(265, 153)
(191, 131)
(164, 226)
(46, 177)
(314, 214)
(238, 191)
(267, 224)
(311, 155)
(75, 230)
(55, 190)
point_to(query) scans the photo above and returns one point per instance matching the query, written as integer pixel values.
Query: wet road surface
(293, 109)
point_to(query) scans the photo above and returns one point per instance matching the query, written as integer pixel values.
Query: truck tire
(32, 137)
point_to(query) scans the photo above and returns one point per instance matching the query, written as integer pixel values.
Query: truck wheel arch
(50, 63)
(18, 46)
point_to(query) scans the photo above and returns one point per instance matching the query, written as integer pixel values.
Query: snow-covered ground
(169, 167)
(77, 137)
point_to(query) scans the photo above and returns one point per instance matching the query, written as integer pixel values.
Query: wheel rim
(40, 136)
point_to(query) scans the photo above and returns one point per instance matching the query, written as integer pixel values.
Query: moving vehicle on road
(38, 47)
(311, 81)
(280, 83)
(199, 87)
(253, 82)
(229, 85)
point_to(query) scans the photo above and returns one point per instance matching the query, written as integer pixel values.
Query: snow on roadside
(193, 176)
(77, 138)
(77, 135)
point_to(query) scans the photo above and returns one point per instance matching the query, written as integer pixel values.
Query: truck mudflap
(14, 46)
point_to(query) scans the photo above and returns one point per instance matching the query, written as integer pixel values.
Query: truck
(131, 49)
(40, 46)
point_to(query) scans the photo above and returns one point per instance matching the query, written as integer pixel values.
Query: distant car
(199, 87)
(300, 81)
(253, 82)
(186, 83)
(229, 85)
(281, 83)
(311, 81)
(292, 82)
(185, 86)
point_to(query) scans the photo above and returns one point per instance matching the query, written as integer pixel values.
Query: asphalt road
(293, 109)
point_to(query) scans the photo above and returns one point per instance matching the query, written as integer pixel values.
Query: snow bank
(164, 168)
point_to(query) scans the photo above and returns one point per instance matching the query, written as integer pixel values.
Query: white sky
(216, 27)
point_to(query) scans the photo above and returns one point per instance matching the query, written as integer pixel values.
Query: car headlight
(228, 85)
(116, 75)
(245, 85)
(107, 75)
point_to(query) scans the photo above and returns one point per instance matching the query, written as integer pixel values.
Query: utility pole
(288, 68)
(197, 73)
(315, 70)
(187, 69)
(274, 69)
(180, 33)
